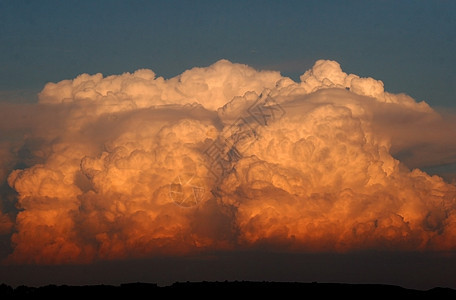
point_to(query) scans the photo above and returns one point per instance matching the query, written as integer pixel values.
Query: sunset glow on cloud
(223, 157)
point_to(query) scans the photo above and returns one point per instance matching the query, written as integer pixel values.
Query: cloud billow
(224, 157)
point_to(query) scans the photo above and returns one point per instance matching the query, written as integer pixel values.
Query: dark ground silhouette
(226, 287)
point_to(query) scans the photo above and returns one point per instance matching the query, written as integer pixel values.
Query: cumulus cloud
(223, 157)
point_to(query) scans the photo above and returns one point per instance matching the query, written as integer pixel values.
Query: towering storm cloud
(224, 157)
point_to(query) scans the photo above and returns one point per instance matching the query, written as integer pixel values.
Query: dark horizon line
(140, 288)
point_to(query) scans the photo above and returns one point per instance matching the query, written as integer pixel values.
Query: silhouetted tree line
(151, 289)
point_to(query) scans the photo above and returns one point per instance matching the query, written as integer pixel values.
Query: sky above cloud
(408, 45)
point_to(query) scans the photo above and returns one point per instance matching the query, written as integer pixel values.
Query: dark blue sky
(409, 45)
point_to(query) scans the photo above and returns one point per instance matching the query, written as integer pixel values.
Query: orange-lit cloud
(223, 157)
